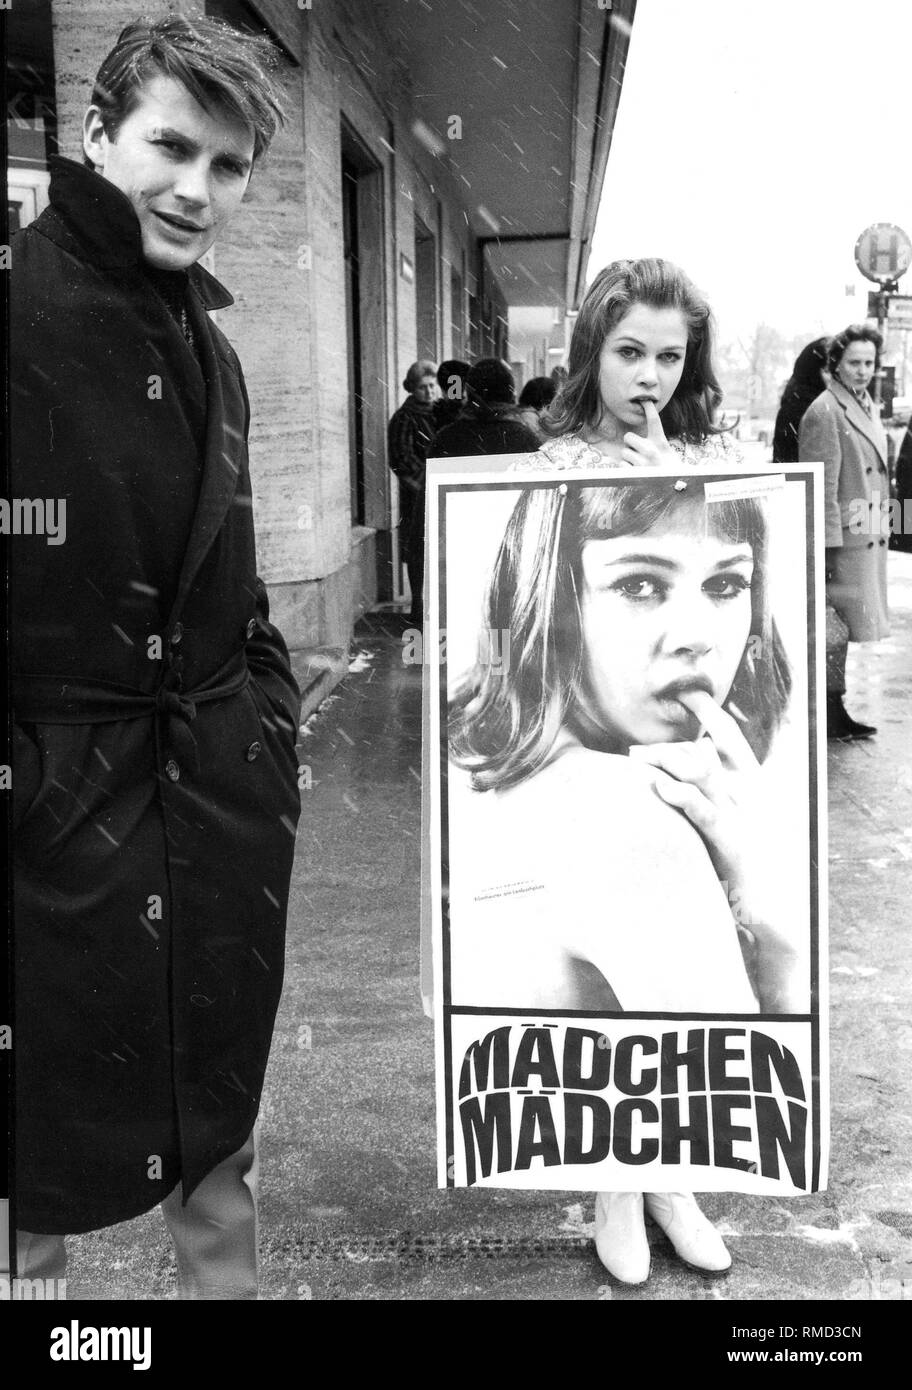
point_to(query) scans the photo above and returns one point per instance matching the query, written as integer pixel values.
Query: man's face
(184, 170)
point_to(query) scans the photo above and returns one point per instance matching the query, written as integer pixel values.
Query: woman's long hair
(803, 386)
(690, 414)
(505, 716)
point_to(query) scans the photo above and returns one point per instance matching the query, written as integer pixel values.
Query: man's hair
(491, 382)
(504, 721)
(612, 294)
(226, 71)
(452, 367)
(538, 392)
(855, 333)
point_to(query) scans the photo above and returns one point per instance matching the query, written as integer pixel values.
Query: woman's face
(662, 613)
(642, 359)
(856, 366)
(426, 389)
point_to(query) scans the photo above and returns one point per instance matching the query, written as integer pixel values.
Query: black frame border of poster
(494, 483)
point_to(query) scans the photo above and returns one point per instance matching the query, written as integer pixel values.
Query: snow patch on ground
(574, 1222)
(824, 1235)
(309, 727)
(361, 661)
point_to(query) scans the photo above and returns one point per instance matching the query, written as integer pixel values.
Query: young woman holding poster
(624, 738)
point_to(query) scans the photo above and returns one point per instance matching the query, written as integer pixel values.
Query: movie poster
(627, 823)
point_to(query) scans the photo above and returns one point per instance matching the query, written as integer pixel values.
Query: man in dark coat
(155, 774)
(451, 381)
(488, 424)
(902, 535)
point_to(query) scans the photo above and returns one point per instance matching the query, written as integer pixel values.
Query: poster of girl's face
(663, 614)
(626, 806)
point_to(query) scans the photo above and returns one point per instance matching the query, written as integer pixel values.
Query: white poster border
(445, 477)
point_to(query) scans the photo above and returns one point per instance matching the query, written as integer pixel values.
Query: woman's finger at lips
(721, 727)
(654, 422)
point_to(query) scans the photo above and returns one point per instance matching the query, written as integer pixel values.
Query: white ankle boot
(693, 1235)
(620, 1236)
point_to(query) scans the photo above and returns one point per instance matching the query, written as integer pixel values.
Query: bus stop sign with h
(883, 253)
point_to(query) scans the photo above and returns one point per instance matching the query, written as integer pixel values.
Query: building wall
(282, 259)
(539, 341)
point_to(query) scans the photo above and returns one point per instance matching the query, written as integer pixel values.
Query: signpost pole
(887, 289)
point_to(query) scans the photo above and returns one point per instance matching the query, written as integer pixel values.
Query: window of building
(457, 315)
(31, 111)
(426, 291)
(365, 329)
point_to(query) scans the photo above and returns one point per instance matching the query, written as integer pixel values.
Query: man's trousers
(214, 1235)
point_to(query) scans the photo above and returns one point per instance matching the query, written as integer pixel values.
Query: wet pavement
(349, 1206)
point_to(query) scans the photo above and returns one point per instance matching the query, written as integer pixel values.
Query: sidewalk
(349, 1205)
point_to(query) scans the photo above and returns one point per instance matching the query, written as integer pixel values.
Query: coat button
(172, 771)
(253, 751)
(870, 545)
(882, 541)
(869, 470)
(251, 627)
(177, 633)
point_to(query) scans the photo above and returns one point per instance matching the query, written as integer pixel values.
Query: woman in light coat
(842, 429)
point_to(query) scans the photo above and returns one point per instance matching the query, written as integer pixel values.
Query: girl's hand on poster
(651, 450)
(716, 783)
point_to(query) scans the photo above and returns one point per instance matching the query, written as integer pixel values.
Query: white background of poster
(475, 525)
(476, 520)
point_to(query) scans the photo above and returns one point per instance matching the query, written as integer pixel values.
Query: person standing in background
(535, 397)
(489, 423)
(842, 429)
(409, 434)
(808, 379)
(451, 379)
(902, 537)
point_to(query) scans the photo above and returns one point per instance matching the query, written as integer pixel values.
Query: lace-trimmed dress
(569, 451)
